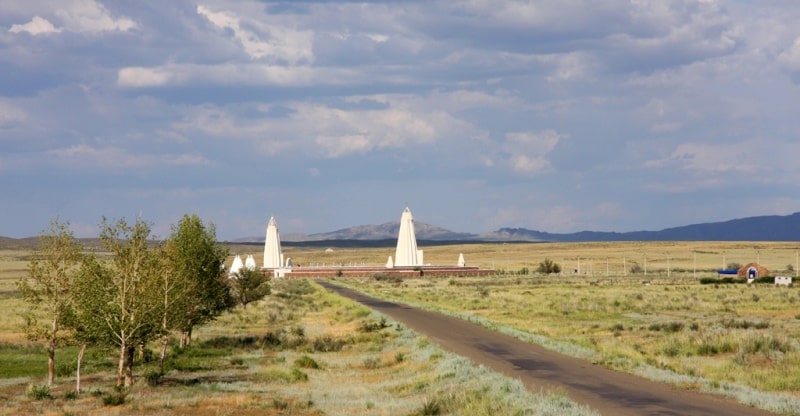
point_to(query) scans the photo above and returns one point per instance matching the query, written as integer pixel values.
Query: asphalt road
(607, 391)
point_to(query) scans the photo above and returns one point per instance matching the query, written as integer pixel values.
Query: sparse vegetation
(548, 266)
(302, 344)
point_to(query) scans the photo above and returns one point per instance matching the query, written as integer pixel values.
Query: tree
(249, 285)
(123, 296)
(87, 325)
(194, 289)
(48, 288)
(548, 266)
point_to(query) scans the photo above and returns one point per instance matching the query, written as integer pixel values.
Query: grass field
(655, 259)
(734, 339)
(301, 351)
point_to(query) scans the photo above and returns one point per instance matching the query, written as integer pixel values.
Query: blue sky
(552, 115)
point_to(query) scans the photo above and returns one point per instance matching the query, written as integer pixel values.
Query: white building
(273, 258)
(236, 266)
(407, 253)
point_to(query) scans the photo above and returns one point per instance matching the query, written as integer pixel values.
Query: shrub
(153, 378)
(372, 363)
(666, 326)
(38, 392)
(430, 407)
(280, 404)
(306, 362)
(298, 375)
(399, 357)
(548, 266)
(70, 395)
(374, 326)
(115, 398)
(237, 361)
(383, 277)
(326, 343)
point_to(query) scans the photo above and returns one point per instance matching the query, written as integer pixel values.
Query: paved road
(609, 392)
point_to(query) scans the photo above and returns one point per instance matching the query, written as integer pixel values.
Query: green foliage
(666, 326)
(120, 302)
(38, 392)
(117, 397)
(733, 266)
(248, 286)
(306, 362)
(152, 378)
(194, 288)
(372, 326)
(548, 266)
(722, 280)
(49, 289)
(430, 407)
(327, 343)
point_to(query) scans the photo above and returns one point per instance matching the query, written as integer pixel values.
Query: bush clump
(38, 392)
(306, 362)
(115, 398)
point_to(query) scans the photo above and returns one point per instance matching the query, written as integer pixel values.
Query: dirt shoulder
(609, 392)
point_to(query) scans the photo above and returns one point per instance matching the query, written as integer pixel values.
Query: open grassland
(301, 351)
(733, 339)
(654, 259)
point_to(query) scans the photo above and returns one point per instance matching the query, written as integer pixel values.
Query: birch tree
(248, 286)
(193, 289)
(124, 295)
(48, 289)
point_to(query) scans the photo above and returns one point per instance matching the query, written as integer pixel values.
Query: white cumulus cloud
(37, 26)
(277, 43)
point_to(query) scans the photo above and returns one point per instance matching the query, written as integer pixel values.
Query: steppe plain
(658, 322)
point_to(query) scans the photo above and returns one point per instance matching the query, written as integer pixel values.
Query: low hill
(761, 228)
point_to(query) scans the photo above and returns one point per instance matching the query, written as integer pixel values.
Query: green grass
(299, 351)
(701, 336)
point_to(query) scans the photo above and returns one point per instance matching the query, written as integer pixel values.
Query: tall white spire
(407, 253)
(272, 246)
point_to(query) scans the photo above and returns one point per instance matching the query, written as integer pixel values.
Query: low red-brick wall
(403, 272)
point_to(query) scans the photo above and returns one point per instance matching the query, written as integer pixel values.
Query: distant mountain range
(762, 228)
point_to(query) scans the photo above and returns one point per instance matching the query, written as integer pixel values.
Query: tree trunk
(51, 363)
(121, 367)
(186, 337)
(129, 354)
(164, 342)
(80, 361)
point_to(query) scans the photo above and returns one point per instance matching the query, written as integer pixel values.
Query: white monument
(273, 258)
(407, 253)
(461, 262)
(250, 263)
(236, 266)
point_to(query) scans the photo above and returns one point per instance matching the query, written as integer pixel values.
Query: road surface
(607, 391)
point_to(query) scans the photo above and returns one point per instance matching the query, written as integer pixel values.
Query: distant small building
(752, 271)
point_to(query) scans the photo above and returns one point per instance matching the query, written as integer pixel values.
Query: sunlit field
(634, 307)
(300, 351)
(652, 259)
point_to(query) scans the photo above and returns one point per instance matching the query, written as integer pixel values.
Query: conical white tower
(250, 262)
(273, 258)
(236, 266)
(407, 253)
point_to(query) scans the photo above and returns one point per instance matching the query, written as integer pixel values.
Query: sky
(552, 115)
